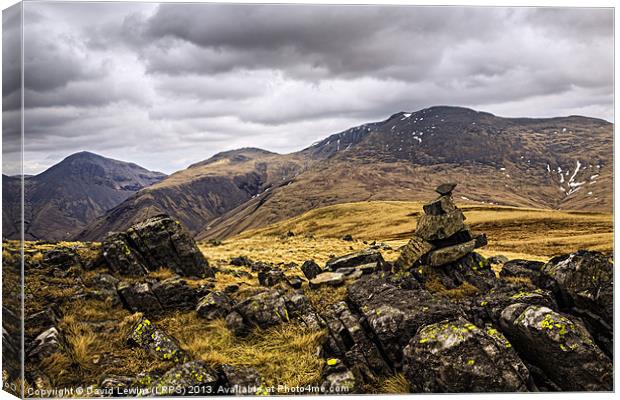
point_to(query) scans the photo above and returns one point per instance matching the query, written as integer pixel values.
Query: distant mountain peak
(61, 200)
(236, 155)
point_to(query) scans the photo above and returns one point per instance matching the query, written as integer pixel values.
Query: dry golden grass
(58, 367)
(395, 384)
(324, 296)
(285, 354)
(162, 274)
(515, 232)
(84, 345)
(464, 290)
(275, 249)
(521, 280)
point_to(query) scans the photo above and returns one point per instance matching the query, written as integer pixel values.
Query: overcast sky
(168, 85)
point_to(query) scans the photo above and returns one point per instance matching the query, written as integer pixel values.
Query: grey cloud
(171, 84)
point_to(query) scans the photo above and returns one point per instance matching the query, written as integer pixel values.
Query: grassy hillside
(513, 232)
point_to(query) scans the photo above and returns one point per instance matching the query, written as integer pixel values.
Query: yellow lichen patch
(284, 354)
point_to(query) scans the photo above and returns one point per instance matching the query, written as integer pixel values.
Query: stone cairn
(443, 245)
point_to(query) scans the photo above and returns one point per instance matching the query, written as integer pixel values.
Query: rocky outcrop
(456, 356)
(152, 244)
(559, 345)
(393, 315)
(583, 285)
(348, 341)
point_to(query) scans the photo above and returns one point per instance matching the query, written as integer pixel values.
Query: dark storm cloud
(310, 41)
(167, 85)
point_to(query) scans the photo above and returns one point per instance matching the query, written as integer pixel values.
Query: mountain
(62, 200)
(203, 191)
(555, 163)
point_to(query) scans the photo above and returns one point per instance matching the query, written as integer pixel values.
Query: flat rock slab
(355, 259)
(447, 255)
(412, 252)
(445, 188)
(327, 278)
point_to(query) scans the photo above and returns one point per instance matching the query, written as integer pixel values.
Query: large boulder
(583, 282)
(356, 259)
(149, 245)
(393, 314)
(455, 356)
(157, 342)
(559, 345)
(121, 258)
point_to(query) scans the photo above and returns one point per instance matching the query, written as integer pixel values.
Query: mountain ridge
(524, 162)
(63, 199)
